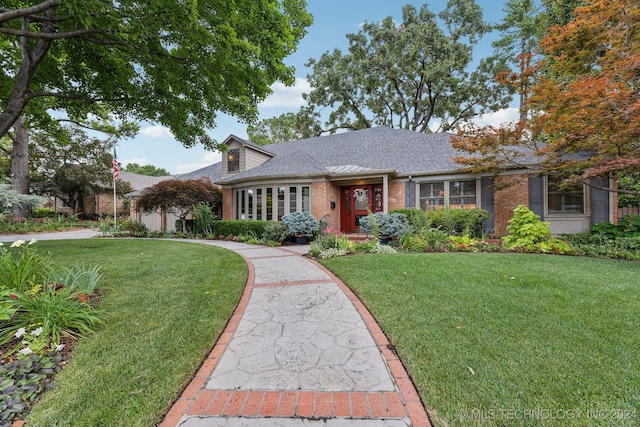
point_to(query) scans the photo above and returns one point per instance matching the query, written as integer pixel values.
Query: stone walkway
(300, 350)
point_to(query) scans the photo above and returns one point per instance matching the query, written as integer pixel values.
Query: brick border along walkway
(197, 401)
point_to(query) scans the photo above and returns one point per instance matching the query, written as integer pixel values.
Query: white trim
(274, 200)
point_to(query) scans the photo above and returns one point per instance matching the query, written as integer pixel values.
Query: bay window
(271, 202)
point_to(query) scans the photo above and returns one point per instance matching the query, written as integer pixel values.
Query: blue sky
(333, 20)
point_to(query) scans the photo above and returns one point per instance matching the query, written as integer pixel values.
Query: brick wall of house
(322, 194)
(396, 195)
(227, 203)
(513, 191)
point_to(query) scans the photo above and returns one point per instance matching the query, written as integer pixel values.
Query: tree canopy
(149, 170)
(417, 74)
(160, 60)
(78, 168)
(286, 127)
(586, 101)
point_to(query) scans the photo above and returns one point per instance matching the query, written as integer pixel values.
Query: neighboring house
(164, 221)
(340, 178)
(101, 204)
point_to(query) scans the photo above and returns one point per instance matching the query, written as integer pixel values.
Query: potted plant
(301, 225)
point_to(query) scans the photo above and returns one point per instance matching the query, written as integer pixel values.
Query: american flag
(116, 166)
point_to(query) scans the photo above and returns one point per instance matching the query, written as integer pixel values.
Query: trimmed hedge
(239, 227)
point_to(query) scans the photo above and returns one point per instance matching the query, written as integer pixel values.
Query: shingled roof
(139, 182)
(213, 172)
(381, 148)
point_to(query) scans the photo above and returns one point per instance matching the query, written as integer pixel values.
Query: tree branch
(32, 95)
(588, 183)
(48, 36)
(9, 14)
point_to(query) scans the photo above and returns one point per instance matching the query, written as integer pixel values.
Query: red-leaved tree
(179, 197)
(585, 103)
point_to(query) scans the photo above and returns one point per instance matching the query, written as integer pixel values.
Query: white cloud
(498, 117)
(490, 119)
(157, 132)
(208, 159)
(287, 96)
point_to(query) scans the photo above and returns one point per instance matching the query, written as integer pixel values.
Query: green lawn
(165, 303)
(510, 339)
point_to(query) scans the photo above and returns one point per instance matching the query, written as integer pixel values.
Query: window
(450, 194)
(431, 195)
(259, 203)
(462, 194)
(306, 199)
(233, 160)
(566, 200)
(292, 199)
(280, 202)
(270, 203)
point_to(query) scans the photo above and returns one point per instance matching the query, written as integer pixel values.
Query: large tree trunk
(31, 58)
(20, 165)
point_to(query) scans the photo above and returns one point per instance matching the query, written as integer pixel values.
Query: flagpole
(116, 173)
(115, 228)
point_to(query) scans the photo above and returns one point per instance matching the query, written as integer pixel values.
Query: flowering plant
(21, 268)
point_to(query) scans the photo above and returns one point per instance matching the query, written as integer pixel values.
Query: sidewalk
(300, 350)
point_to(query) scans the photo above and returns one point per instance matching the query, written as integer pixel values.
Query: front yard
(164, 304)
(509, 339)
(488, 338)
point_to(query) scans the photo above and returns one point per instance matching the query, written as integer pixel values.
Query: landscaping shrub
(424, 240)
(459, 221)
(188, 224)
(203, 219)
(381, 224)
(300, 224)
(239, 227)
(417, 218)
(17, 225)
(330, 238)
(275, 231)
(35, 296)
(526, 229)
(43, 212)
(133, 228)
(364, 247)
(629, 226)
(21, 268)
(57, 311)
(39, 304)
(601, 246)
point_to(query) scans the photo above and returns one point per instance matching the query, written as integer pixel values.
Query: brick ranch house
(338, 177)
(101, 204)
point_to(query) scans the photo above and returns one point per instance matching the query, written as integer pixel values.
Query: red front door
(357, 201)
